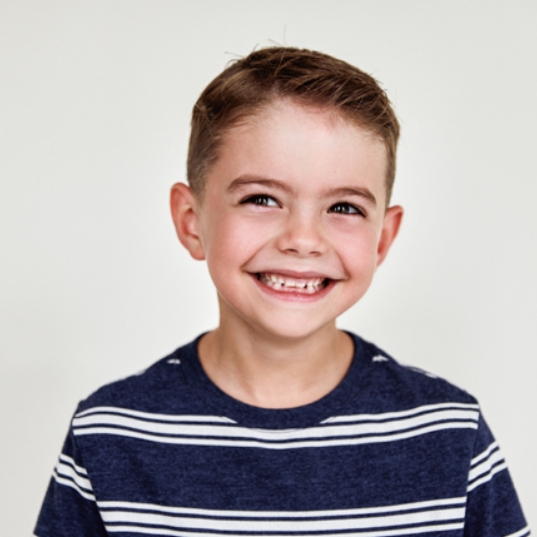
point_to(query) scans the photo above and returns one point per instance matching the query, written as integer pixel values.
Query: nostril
(302, 244)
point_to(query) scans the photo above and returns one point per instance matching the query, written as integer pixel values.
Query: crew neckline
(333, 403)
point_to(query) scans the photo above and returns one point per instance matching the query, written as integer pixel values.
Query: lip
(294, 274)
(291, 296)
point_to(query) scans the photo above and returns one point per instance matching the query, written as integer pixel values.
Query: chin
(288, 329)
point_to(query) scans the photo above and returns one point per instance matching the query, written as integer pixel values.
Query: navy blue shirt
(391, 451)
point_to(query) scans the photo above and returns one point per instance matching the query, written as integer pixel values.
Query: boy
(276, 423)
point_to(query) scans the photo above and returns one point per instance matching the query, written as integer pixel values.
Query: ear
(390, 228)
(184, 207)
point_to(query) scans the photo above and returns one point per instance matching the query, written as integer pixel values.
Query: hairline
(252, 112)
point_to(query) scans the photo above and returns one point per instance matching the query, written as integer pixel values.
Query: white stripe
(71, 462)
(485, 467)
(311, 433)
(484, 454)
(212, 513)
(149, 415)
(73, 485)
(379, 533)
(522, 533)
(64, 470)
(400, 414)
(487, 478)
(282, 526)
(267, 445)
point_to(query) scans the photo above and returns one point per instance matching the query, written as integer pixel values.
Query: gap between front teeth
(278, 282)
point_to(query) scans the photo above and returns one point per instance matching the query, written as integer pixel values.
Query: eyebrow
(353, 191)
(245, 180)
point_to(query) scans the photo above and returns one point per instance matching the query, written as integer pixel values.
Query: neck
(272, 372)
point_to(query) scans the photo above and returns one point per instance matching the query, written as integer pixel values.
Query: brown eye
(261, 199)
(345, 208)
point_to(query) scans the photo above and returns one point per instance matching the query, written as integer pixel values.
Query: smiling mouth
(286, 284)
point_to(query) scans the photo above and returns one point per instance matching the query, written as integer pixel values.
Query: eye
(346, 208)
(260, 199)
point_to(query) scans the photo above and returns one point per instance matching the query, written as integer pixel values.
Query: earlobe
(390, 229)
(184, 213)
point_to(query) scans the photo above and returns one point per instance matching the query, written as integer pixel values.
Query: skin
(297, 193)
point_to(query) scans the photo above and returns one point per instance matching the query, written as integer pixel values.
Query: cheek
(357, 251)
(231, 241)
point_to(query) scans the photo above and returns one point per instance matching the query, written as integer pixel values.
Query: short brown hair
(312, 78)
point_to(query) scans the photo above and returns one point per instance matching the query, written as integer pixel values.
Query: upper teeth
(279, 281)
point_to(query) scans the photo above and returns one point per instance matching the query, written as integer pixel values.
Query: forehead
(299, 143)
(285, 113)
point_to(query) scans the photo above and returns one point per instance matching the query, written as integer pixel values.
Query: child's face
(293, 221)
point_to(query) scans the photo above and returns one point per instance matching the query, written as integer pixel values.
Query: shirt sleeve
(70, 507)
(493, 509)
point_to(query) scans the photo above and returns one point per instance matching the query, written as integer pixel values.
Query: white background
(95, 98)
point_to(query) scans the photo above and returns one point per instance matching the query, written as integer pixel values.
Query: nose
(302, 236)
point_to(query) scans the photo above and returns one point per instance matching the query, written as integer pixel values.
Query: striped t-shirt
(391, 451)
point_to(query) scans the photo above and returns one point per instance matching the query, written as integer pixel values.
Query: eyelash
(338, 208)
(259, 199)
(348, 209)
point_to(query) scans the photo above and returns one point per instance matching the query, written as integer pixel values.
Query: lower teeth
(307, 289)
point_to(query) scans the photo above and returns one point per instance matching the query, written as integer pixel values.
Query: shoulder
(153, 389)
(403, 386)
